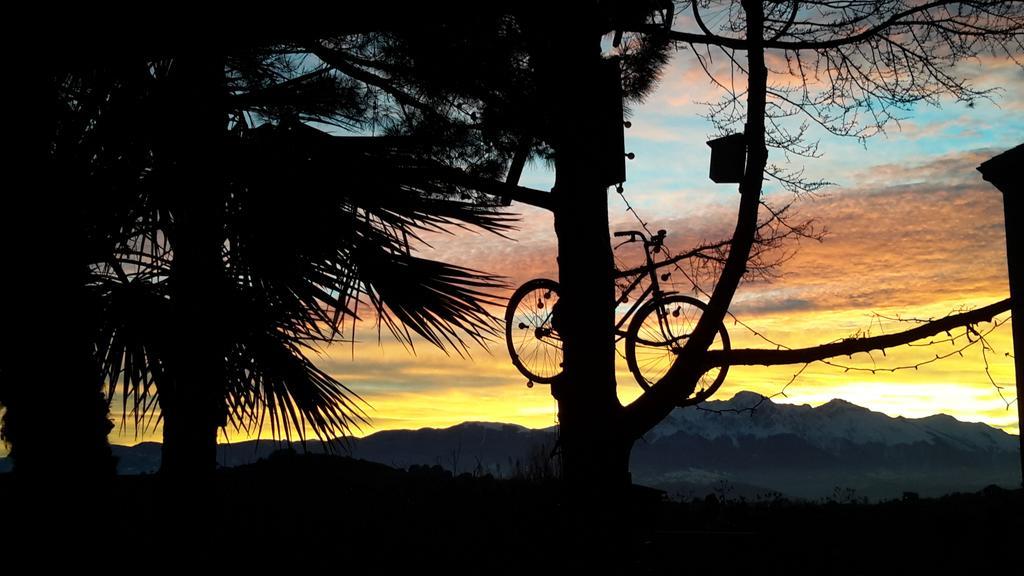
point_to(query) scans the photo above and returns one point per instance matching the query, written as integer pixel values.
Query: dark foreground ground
(293, 514)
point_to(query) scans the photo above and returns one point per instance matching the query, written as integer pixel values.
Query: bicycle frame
(637, 302)
(650, 268)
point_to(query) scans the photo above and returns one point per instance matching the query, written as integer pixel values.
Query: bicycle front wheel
(533, 342)
(657, 334)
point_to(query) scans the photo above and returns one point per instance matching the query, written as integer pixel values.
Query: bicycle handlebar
(632, 235)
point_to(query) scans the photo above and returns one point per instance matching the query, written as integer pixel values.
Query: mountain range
(836, 450)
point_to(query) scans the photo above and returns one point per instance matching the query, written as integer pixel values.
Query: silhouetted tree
(49, 378)
(871, 58)
(869, 55)
(237, 236)
(303, 224)
(533, 79)
(876, 56)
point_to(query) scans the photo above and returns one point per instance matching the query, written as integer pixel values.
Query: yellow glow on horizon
(914, 231)
(432, 389)
(956, 385)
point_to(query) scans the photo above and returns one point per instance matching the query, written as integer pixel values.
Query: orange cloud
(919, 238)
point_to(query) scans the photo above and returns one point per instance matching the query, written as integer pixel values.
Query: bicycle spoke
(659, 333)
(535, 348)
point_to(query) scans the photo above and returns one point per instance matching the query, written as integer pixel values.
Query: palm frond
(322, 241)
(443, 303)
(131, 346)
(272, 382)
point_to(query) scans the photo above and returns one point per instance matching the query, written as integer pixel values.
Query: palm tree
(274, 276)
(300, 229)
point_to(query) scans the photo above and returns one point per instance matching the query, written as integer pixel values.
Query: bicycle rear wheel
(533, 342)
(657, 334)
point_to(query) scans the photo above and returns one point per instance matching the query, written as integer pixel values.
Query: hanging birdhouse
(612, 164)
(728, 158)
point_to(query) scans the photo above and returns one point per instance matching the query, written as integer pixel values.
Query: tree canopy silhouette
(476, 94)
(234, 236)
(311, 225)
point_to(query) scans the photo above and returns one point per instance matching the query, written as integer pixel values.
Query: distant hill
(835, 450)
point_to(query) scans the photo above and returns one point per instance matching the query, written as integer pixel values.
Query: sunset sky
(913, 230)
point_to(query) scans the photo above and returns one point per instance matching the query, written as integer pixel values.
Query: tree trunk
(192, 401)
(595, 452)
(588, 405)
(594, 456)
(596, 436)
(56, 418)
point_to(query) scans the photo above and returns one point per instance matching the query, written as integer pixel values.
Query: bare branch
(680, 380)
(850, 346)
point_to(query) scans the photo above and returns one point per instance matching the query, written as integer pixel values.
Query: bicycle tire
(532, 340)
(650, 352)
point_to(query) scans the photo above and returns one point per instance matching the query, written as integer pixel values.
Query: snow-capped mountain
(810, 452)
(828, 426)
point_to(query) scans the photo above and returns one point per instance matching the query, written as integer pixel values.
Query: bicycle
(659, 324)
